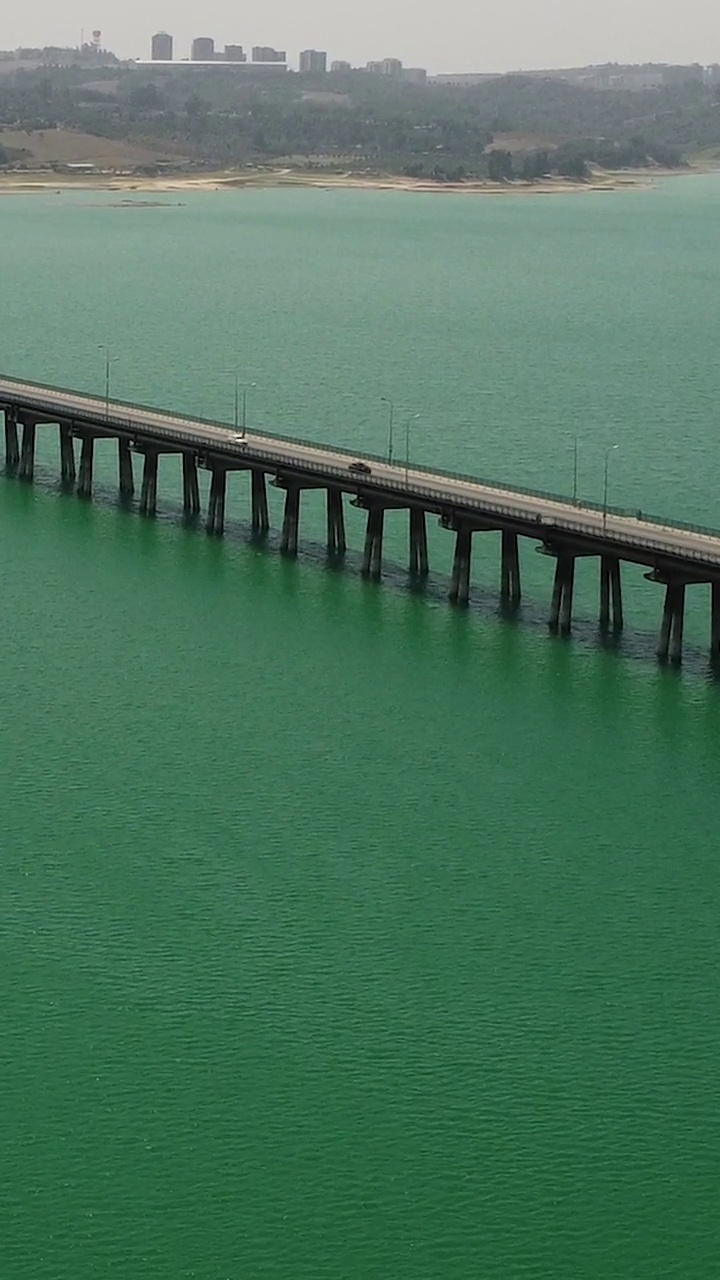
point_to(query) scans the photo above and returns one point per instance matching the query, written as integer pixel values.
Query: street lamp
(575, 469)
(109, 360)
(386, 400)
(237, 389)
(413, 418)
(250, 386)
(240, 399)
(605, 486)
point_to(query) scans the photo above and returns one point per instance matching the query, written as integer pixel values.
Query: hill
(506, 128)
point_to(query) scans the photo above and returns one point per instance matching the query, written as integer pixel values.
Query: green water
(343, 935)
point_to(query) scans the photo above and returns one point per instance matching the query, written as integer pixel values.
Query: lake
(343, 934)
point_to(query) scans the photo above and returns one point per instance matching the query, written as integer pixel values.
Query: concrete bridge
(676, 555)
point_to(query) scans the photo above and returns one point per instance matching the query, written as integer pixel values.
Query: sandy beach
(27, 181)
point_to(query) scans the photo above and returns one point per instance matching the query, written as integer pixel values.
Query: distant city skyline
(460, 36)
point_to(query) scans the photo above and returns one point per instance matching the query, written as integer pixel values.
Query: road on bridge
(433, 490)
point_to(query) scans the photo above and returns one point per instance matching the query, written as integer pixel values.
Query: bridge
(676, 555)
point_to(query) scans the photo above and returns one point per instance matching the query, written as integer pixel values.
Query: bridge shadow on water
(633, 644)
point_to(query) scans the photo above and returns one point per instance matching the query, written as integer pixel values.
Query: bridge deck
(545, 518)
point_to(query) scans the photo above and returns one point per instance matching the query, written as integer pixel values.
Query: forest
(361, 122)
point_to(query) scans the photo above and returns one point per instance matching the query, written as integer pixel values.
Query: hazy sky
(456, 35)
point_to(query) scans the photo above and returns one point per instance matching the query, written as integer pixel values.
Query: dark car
(360, 468)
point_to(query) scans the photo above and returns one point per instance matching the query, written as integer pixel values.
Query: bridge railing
(484, 507)
(159, 417)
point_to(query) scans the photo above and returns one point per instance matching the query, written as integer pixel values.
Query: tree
(500, 166)
(535, 164)
(573, 167)
(145, 97)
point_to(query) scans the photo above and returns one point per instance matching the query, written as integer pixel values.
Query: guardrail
(94, 411)
(438, 496)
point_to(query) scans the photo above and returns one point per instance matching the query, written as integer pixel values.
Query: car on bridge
(360, 468)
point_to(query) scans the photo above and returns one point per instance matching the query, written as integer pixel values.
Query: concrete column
(604, 593)
(12, 447)
(191, 488)
(562, 597)
(368, 548)
(460, 583)
(715, 622)
(260, 517)
(148, 492)
(611, 609)
(616, 591)
(336, 544)
(666, 625)
(676, 640)
(419, 567)
(554, 620)
(27, 452)
(85, 474)
(67, 458)
(673, 624)
(216, 505)
(372, 554)
(567, 598)
(510, 592)
(126, 480)
(291, 521)
(376, 559)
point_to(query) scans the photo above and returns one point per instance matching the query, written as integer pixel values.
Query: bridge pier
(460, 582)
(260, 517)
(148, 491)
(12, 447)
(67, 458)
(611, 608)
(419, 566)
(215, 524)
(336, 543)
(510, 592)
(372, 553)
(291, 521)
(126, 480)
(562, 597)
(191, 487)
(85, 473)
(26, 469)
(673, 623)
(715, 622)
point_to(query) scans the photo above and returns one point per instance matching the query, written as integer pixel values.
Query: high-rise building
(340, 66)
(234, 53)
(313, 62)
(391, 67)
(262, 53)
(375, 68)
(162, 47)
(202, 49)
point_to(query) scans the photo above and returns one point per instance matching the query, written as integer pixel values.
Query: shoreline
(31, 181)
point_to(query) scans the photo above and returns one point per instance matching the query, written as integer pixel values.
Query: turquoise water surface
(344, 935)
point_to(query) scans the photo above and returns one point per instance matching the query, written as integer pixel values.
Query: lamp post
(240, 402)
(413, 418)
(386, 400)
(109, 360)
(575, 469)
(249, 387)
(605, 485)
